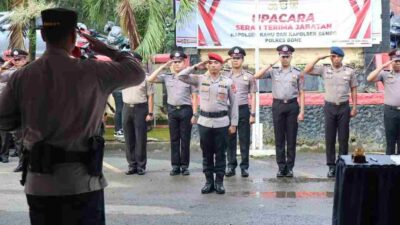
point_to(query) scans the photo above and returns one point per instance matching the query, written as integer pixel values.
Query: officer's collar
(211, 79)
(337, 69)
(289, 69)
(237, 75)
(50, 50)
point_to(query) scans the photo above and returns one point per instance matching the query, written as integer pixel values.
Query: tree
(23, 18)
(146, 22)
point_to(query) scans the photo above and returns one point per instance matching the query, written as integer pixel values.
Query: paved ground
(157, 198)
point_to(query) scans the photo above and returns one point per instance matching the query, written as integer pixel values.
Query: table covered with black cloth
(367, 194)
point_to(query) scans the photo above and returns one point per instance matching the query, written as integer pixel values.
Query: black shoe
(281, 173)
(245, 173)
(175, 171)
(289, 173)
(4, 160)
(331, 172)
(185, 172)
(14, 154)
(18, 169)
(219, 188)
(141, 171)
(208, 188)
(131, 171)
(230, 172)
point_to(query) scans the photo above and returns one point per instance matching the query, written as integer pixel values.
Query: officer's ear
(43, 36)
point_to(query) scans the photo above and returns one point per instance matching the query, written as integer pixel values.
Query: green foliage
(5, 5)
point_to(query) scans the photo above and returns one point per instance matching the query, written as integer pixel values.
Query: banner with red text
(300, 23)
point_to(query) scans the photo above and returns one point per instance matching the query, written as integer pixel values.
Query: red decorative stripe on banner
(208, 17)
(354, 6)
(360, 18)
(368, 32)
(202, 40)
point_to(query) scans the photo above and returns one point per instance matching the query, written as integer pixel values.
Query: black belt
(392, 107)
(214, 114)
(178, 106)
(243, 106)
(337, 103)
(285, 101)
(136, 105)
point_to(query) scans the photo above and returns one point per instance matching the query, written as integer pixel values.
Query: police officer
(391, 80)
(58, 101)
(245, 85)
(19, 58)
(180, 110)
(217, 98)
(287, 86)
(137, 110)
(339, 82)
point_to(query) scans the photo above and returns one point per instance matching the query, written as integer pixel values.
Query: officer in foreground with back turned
(339, 80)
(287, 86)
(217, 98)
(58, 102)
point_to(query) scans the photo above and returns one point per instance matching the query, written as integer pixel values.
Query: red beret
(215, 56)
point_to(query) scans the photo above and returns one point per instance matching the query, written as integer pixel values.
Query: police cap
(59, 19)
(395, 54)
(237, 51)
(177, 54)
(285, 50)
(18, 52)
(337, 51)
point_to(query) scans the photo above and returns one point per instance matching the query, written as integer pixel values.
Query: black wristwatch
(196, 115)
(150, 114)
(253, 114)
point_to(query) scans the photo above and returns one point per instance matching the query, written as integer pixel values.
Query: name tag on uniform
(205, 88)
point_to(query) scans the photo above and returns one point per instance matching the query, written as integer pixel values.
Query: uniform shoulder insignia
(386, 70)
(275, 67)
(326, 65)
(169, 74)
(298, 69)
(349, 66)
(249, 73)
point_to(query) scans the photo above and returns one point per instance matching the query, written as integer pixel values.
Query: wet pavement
(158, 198)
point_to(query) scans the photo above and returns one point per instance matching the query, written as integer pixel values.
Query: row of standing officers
(225, 112)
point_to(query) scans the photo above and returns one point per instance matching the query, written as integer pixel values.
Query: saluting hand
(201, 65)
(387, 63)
(323, 57)
(97, 45)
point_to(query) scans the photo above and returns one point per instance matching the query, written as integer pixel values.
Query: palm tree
(143, 21)
(23, 17)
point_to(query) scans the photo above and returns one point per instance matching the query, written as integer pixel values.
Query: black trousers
(135, 133)
(392, 130)
(6, 139)
(244, 140)
(213, 143)
(284, 116)
(337, 120)
(80, 209)
(180, 127)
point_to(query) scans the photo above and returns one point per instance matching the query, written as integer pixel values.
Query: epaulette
(275, 67)
(386, 70)
(298, 69)
(349, 66)
(170, 74)
(327, 64)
